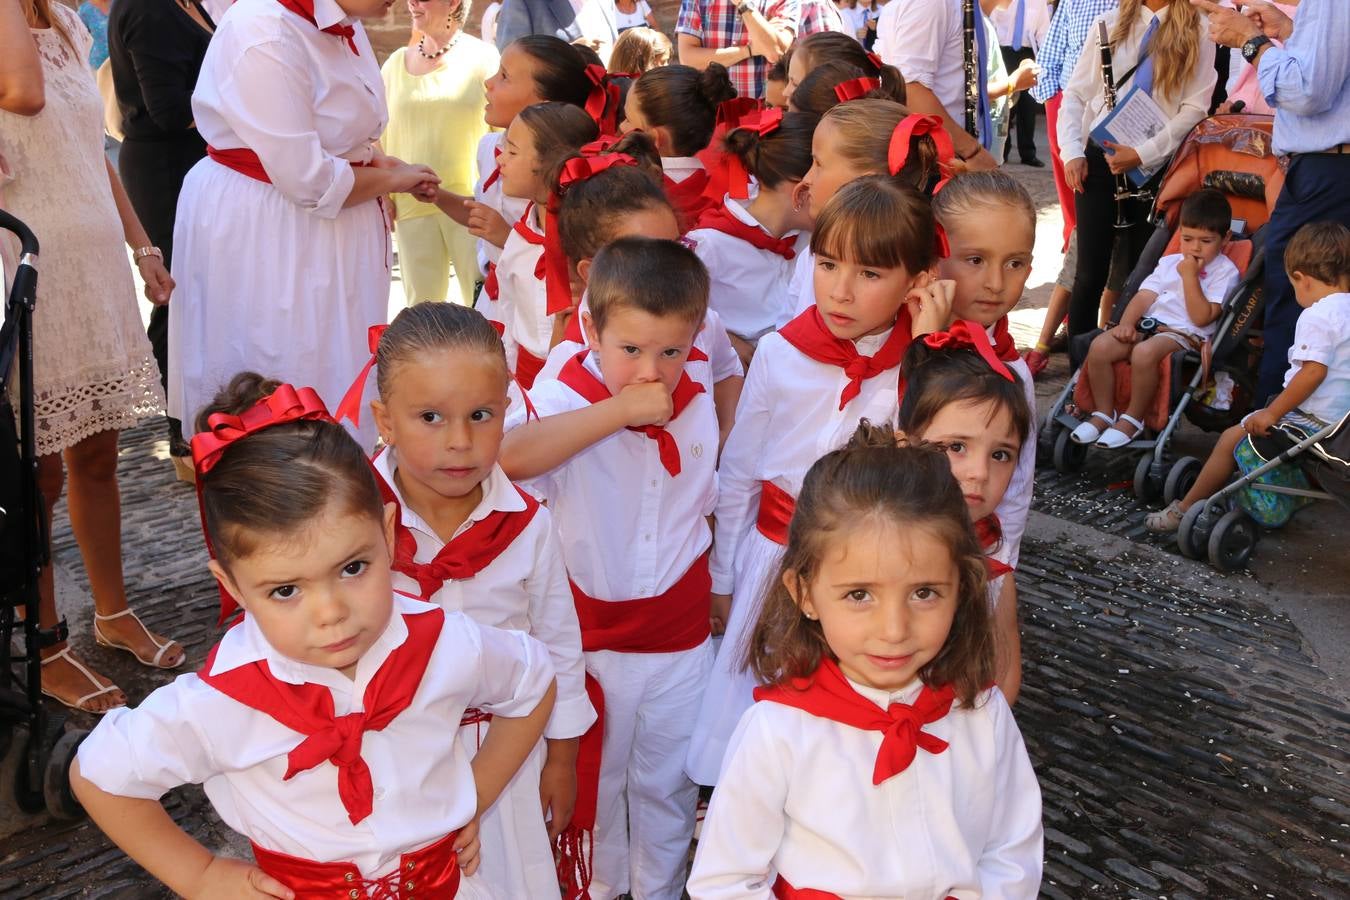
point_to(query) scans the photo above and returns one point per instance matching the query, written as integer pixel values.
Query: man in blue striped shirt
(1307, 82)
(1057, 57)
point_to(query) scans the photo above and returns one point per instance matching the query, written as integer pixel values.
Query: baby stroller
(1226, 526)
(44, 747)
(1211, 387)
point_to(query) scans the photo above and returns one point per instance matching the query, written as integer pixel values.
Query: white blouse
(510, 208)
(796, 799)
(524, 588)
(187, 732)
(297, 97)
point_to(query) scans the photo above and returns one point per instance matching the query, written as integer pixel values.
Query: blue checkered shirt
(716, 25)
(1064, 41)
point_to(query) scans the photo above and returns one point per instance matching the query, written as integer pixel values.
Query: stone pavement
(1187, 743)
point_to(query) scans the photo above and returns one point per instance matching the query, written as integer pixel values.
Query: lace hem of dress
(64, 415)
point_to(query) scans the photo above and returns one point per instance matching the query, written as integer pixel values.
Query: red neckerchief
(576, 376)
(523, 228)
(1004, 346)
(464, 555)
(966, 335)
(808, 334)
(828, 694)
(719, 218)
(496, 169)
(305, 10)
(989, 532)
(688, 197)
(308, 708)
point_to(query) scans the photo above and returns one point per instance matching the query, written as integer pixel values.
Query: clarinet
(1123, 189)
(972, 75)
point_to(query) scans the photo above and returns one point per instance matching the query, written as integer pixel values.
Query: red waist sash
(246, 162)
(775, 512)
(784, 891)
(669, 622)
(527, 367)
(432, 871)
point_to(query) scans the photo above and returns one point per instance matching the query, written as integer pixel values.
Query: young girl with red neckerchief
(878, 760)
(751, 237)
(468, 540)
(812, 381)
(962, 399)
(317, 724)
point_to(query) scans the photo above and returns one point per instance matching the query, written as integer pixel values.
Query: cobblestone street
(1186, 741)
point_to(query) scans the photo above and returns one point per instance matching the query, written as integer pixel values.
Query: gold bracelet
(141, 253)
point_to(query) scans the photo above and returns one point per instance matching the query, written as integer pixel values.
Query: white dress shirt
(523, 589)
(749, 286)
(1035, 23)
(629, 529)
(1322, 335)
(523, 301)
(187, 732)
(1216, 280)
(924, 39)
(1085, 100)
(796, 799)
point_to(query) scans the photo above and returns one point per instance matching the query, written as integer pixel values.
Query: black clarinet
(972, 75)
(1124, 191)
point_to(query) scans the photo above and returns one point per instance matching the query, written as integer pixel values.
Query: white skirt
(265, 286)
(728, 694)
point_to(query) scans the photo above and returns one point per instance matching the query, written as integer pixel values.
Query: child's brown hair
(873, 478)
(782, 155)
(817, 92)
(1208, 210)
(1320, 250)
(866, 127)
(639, 49)
(825, 47)
(661, 278)
(875, 221)
(935, 378)
(272, 483)
(591, 208)
(434, 326)
(683, 100)
(969, 192)
(558, 129)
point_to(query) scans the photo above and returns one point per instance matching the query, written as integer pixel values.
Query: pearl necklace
(421, 48)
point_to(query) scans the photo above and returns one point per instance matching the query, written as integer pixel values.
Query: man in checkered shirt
(746, 36)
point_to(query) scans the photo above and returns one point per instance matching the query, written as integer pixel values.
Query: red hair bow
(349, 407)
(855, 88)
(966, 335)
(875, 60)
(730, 112)
(902, 138)
(735, 177)
(602, 104)
(285, 404)
(593, 161)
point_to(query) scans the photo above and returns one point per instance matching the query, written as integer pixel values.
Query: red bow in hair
(855, 88)
(349, 407)
(913, 126)
(733, 175)
(557, 281)
(285, 404)
(730, 112)
(602, 104)
(965, 335)
(875, 60)
(305, 10)
(943, 248)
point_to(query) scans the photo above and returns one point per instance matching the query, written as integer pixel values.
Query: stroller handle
(27, 240)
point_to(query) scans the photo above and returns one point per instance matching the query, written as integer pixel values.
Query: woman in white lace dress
(92, 363)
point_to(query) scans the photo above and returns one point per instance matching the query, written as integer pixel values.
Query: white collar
(678, 168)
(327, 13)
(907, 694)
(499, 494)
(870, 343)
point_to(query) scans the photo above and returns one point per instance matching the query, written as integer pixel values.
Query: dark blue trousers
(1316, 189)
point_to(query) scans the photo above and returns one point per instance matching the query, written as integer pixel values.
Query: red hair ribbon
(729, 112)
(734, 178)
(875, 60)
(349, 407)
(602, 104)
(855, 88)
(557, 280)
(913, 126)
(942, 248)
(285, 404)
(966, 335)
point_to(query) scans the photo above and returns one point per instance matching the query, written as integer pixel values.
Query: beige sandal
(83, 670)
(160, 649)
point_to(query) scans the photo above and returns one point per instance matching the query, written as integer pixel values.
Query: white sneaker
(1087, 432)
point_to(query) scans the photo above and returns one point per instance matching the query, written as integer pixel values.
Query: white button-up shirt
(187, 732)
(629, 528)
(524, 589)
(297, 97)
(924, 39)
(523, 302)
(796, 799)
(1035, 23)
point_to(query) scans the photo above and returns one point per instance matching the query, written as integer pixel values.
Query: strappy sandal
(1166, 520)
(1113, 438)
(79, 704)
(1087, 431)
(160, 649)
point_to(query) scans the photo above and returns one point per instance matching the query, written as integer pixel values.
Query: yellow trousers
(427, 247)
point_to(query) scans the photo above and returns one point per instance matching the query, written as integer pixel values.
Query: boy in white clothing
(1183, 298)
(1317, 385)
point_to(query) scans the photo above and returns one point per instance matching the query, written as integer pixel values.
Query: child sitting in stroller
(1317, 386)
(1177, 307)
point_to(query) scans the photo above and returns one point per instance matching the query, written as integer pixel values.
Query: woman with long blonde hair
(1159, 46)
(93, 367)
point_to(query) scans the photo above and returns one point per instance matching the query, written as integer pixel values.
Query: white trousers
(646, 805)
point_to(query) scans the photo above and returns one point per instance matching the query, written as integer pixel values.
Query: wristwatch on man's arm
(1252, 48)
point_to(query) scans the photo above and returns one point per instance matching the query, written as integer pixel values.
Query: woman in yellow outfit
(435, 93)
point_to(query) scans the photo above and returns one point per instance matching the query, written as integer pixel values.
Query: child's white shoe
(1088, 431)
(1113, 438)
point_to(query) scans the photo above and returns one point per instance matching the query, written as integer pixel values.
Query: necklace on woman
(421, 48)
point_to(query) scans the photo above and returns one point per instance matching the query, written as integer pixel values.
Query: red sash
(576, 376)
(775, 512)
(666, 623)
(432, 871)
(808, 334)
(463, 556)
(989, 531)
(719, 218)
(828, 694)
(784, 891)
(305, 10)
(308, 708)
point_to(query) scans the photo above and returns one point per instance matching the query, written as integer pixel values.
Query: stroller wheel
(1180, 478)
(1193, 534)
(28, 777)
(1233, 540)
(1148, 484)
(1069, 455)
(61, 803)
